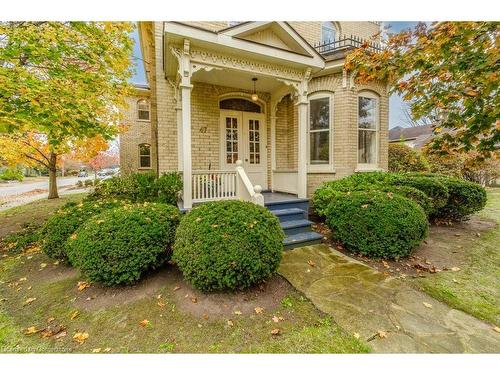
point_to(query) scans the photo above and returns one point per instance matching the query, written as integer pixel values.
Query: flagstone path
(391, 315)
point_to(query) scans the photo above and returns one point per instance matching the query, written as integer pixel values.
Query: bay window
(368, 118)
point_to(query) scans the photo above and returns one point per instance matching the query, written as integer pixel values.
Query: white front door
(244, 138)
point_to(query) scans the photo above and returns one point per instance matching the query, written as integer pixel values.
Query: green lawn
(475, 289)
(171, 327)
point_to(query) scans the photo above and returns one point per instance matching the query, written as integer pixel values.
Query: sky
(396, 106)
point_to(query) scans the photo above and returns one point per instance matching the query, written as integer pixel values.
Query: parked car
(83, 174)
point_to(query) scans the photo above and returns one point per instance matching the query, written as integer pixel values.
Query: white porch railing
(213, 185)
(244, 188)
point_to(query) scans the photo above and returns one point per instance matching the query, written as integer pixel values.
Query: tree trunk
(53, 176)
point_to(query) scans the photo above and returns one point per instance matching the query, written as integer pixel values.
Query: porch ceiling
(237, 79)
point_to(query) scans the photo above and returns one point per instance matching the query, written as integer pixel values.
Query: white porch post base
(302, 149)
(186, 145)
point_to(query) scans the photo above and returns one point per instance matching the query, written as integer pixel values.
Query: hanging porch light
(255, 97)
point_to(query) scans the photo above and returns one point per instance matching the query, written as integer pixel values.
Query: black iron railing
(344, 43)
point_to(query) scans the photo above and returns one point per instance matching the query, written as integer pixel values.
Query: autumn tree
(448, 71)
(61, 83)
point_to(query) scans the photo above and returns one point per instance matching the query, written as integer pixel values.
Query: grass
(304, 329)
(117, 329)
(475, 289)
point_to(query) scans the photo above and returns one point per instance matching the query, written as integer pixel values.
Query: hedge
(120, 245)
(228, 245)
(377, 224)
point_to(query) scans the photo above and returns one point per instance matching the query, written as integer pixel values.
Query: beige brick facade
(205, 114)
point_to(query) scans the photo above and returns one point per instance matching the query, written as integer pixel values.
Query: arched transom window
(143, 110)
(328, 32)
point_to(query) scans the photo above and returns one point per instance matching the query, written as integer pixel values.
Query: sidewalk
(386, 312)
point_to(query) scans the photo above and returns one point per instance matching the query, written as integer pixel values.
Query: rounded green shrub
(66, 221)
(331, 190)
(377, 224)
(119, 245)
(432, 187)
(228, 245)
(465, 198)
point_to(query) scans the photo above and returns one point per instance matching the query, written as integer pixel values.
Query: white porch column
(302, 148)
(186, 145)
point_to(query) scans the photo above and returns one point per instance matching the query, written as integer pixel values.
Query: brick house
(241, 108)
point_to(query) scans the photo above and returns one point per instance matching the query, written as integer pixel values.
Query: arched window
(368, 126)
(328, 32)
(238, 104)
(143, 110)
(144, 155)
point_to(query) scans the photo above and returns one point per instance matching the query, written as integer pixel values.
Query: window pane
(319, 113)
(145, 162)
(144, 149)
(367, 145)
(367, 113)
(143, 115)
(319, 147)
(327, 32)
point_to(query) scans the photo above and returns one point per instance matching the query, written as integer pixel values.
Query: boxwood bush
(67, 220)
(141, 187)
(377, 224)
(465, 198)
(119, 245)
(228, 245)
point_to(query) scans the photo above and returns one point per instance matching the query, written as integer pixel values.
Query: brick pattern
(206, 135)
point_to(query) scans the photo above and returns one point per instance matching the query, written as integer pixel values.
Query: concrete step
(288, 214)
(303, 204)
(302, 239)
(296, 226)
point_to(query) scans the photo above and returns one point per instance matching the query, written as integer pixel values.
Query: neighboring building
(414, 137)
(274, 95)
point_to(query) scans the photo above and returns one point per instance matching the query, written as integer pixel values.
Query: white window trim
(361, 167)
(321, 168)
(139, 157)
(137, 110)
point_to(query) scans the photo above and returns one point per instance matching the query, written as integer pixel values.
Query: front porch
(241, 112)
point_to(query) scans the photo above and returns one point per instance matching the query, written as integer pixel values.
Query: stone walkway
(365, 302)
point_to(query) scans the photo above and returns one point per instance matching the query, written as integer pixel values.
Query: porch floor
(274, 197)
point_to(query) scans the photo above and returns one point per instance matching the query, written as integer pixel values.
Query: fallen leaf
(60, 335)
(275, 332)
(96, 350)
(31, 330)
(205, 316)
(107, 350)
(82, 285)
(161, 304)
(75, 314)
(80, 337)
(259, 310)
(276, 319)
(53, 330)
(382, 334)
(158, 296)
(144, 323)
(199, 326)
(455, 269)
(23, 279)
(194, 300)
(29, 301)
(230, 323)
(364, 206)
(428, 305)
(356, 335)
(43, 265)
(237, 312)
(311, 263)
(496, 329)
(51, 319)
(177, 288)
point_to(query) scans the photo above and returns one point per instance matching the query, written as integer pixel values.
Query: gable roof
(278, 34)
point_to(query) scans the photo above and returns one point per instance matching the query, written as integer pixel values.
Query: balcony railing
(345, 43)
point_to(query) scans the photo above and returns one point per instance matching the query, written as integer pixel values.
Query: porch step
(303, 204)
(302, 239)
(288, 214)
(296, 226)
